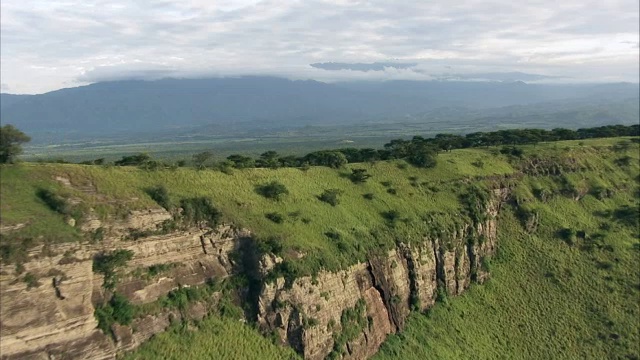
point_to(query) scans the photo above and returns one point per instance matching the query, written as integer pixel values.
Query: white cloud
(49, 44)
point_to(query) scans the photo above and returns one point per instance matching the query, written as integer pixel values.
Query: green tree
(268, 159)
(200, 159)
(133, 160)
(10, 140)
(359, 176)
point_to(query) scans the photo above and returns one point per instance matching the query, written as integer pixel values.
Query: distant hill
(267, 103)
(7, 100)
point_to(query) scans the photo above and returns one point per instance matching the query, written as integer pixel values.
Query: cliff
(53, 315)
(349, 313)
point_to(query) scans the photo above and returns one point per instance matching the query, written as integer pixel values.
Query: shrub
(200, 159)
(31, 280)
(623, 161)
(273, 190)
(392, 191)
(160, 195)
(133, 160)
(423, 159)
(270, 245)
(97, 235)
(241, 161)
(156, 269)
(275, 217)
(53, 201)
(333, 235)
(11, 252)
(330, 196)
(200, 210)
(359, 176)
(368, 196)
(475, 201)
(117, 310)
(567, 234)
(391, 216)
(107, 263)
(627, 215)
(512, 151)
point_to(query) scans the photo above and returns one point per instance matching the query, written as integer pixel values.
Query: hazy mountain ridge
(268, 104)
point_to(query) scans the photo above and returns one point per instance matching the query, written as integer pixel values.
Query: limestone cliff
(347, 313)
(310, 314)
(54, 317)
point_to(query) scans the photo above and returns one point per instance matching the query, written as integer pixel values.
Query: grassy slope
(355, 217)
(214, 338)
(546, 299)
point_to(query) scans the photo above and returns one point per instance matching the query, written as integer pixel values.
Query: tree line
(418, 151)
(421, 152)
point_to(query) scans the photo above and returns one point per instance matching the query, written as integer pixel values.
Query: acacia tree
(10, 140)
(200, 159)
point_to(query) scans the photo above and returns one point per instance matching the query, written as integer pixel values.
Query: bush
(107, 263)
(200, 210)
(273, 190)
(133, 160)
(156, 269)
(567, 234)
(359, 176)
(627, 215)
(31, 280)
(475, 201)
(275, 217)
(200, 159)
(330, 196)
(270, 245)
(423, 159)
(512, 151)
(53, 201)
(117, 310)
(333, 235)
(160, 195)
(623, 161)
(368, 196)
(391, 216)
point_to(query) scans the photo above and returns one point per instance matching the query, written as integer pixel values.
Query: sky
(52, 44)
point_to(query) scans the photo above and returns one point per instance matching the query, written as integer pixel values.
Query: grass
(546, 299)
(359, 220)
(212, 338)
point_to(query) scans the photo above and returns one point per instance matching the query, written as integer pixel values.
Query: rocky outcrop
(50, 314)
(348, 313)
(308, 314)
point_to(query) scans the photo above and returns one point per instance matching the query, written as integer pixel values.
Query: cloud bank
(50, 44)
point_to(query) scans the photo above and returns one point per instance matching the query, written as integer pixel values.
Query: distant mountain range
(262, 104)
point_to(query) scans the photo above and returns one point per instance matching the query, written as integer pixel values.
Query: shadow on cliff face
(247, 263)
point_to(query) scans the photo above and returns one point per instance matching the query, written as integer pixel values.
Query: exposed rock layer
(55, 319)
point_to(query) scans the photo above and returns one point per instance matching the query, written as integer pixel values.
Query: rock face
(308, 315)
(348, 313)
(54, 317)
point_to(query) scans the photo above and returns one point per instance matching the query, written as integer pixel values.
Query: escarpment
(346, 313)
(349, 313)
(52, 315)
